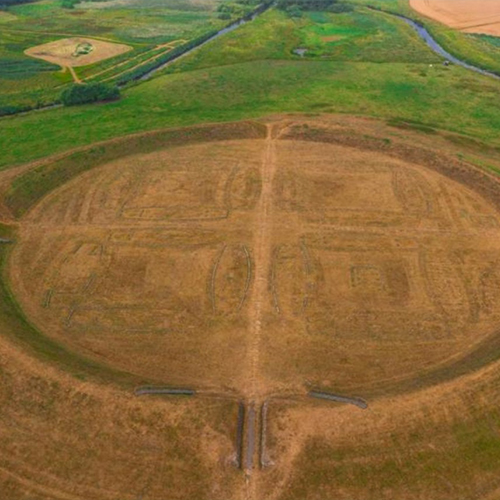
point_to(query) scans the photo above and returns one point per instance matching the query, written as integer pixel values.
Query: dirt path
(262, 256)
(73, 74)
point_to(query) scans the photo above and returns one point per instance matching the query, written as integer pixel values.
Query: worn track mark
(249, 277)
(263, 457)
(262, 249)
(260, 297)
(213, 275)
(239, 435)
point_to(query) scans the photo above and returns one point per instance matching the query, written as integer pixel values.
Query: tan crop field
(75, 52)
(470, 16)
(254, 263)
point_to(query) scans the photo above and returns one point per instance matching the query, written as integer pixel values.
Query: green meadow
(479, 50)
(380, 69)
(145, 26)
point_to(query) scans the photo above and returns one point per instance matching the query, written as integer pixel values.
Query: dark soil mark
(169, 391)
(360, 403)
(239, 435)
(250, 438)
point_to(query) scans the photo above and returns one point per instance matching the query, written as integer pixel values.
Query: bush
(13, 110)
(8, 3)
(228, 10)
(294, 11)
(340, 8)
(295, 7)
(89, 92)
(69, 4)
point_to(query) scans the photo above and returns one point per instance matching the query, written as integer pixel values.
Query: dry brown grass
(471, 16)
(62, 52)
(338, 254)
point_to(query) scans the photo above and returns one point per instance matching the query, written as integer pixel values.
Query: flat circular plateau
(290, 260)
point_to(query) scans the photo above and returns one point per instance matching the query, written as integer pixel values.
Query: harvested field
(74, 52)
(470, 16)
(341, 259)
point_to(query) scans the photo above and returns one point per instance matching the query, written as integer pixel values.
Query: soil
(335, 255)
(470, 16)
(62, 52)
(330, 255)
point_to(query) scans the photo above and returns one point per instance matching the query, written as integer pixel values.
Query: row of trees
(86, 93)
(8, 3)
(67, 4)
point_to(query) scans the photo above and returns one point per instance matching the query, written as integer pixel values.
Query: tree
(8, 3)
(88, 93)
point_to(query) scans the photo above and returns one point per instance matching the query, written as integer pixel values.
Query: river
(438, 49)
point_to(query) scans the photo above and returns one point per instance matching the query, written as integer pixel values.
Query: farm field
(249, 284)
(467, 15)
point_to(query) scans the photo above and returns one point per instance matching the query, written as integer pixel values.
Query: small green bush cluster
(294, 8)
(70, 4)
(13, 110)
(227, 10)
(89, 93)
(8, 3)
(238, 8)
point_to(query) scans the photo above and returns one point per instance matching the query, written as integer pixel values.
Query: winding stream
(434, 45)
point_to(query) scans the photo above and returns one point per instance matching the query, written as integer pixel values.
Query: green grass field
(252, 72)
(475, 49)
(143, 25)
(359, 36)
